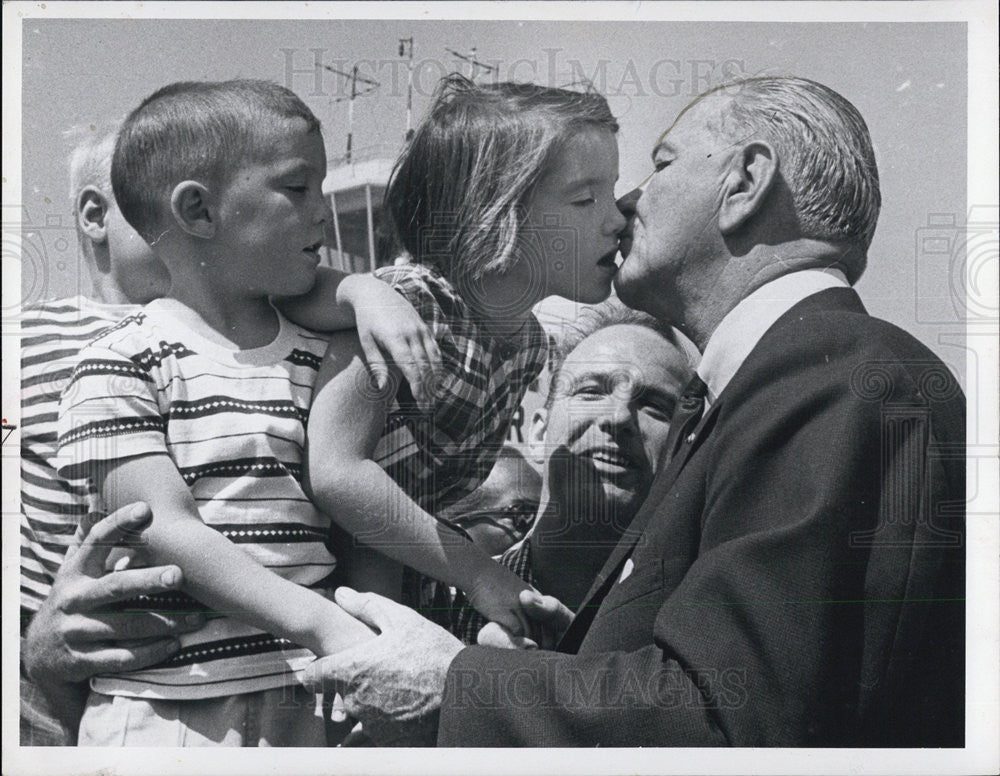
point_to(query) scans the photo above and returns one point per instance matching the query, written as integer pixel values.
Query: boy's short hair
(457, 195)
(199, 130)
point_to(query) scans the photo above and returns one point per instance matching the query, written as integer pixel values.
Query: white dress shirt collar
(744, 325)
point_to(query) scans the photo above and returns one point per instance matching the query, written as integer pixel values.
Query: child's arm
(388, 327)
(216, 571)
(346, 420)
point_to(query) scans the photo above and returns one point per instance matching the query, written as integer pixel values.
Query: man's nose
(618, 412)
(627, 203)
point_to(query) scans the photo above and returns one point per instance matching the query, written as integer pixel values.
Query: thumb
(373, 610)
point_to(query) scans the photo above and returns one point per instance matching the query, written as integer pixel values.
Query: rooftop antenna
(474, 64)
(406, 47)
(355, 79)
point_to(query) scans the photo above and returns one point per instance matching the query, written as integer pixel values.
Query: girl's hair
(457, 195)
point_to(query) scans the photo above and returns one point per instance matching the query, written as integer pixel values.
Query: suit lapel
(834, 298)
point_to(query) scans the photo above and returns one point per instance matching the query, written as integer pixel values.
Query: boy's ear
(189, 204)
(536, 435)
(747, 185)
(92, 214)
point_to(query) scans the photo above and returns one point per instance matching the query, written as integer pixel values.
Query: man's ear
(191, 209)
(748, 183)
(92, 214)
(536, 435)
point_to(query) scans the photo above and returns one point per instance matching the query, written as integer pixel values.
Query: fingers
(125, 626)
(550, 616)
(377, 366)
(514, 622)
(416, 373)
(374, 610)
(108, 532)
(120, 586)
(116, 658)
(416, 355)
(495, 635)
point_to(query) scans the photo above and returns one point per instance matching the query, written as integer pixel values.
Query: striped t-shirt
(52, 334)
(233, 422)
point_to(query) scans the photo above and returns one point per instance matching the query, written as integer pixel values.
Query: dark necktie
(688, 413)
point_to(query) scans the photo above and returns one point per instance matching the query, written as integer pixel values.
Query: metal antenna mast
(355, 80)
(406, 47)
(474, 64)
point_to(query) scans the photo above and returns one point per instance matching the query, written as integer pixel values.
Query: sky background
(907, 79)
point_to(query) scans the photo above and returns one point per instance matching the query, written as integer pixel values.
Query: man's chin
(626, 290)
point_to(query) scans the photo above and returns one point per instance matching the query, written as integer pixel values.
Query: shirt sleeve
(108, 412)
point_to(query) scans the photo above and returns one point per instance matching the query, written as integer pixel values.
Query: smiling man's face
(606, 429)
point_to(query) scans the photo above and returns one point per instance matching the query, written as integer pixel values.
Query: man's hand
(75, 635)
(496, 595)
(550, 618)
(393, 684)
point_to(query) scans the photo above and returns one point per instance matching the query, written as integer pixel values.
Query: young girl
(504, 196)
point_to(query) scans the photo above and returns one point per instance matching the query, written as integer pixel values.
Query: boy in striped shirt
(197, 404)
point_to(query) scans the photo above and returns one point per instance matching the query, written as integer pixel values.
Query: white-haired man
(796, 575)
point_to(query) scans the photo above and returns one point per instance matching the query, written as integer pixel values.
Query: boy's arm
(346, 420)
(388, 327)
(216, 571)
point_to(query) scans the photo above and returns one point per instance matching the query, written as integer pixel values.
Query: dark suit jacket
(796, 576)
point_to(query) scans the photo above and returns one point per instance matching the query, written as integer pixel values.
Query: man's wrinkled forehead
(705, 112)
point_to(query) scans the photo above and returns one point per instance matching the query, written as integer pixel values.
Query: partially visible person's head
(501, 510)
(461, 195)
(826, 154)
(235, 168)
(601, 435)
(753, 179)
(122, 266)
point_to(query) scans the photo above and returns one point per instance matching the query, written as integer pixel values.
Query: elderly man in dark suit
(796, 575)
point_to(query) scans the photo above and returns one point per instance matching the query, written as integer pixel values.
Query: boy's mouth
(314, 248)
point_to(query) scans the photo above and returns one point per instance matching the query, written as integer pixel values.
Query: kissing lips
(608, 260)
(625, 245)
